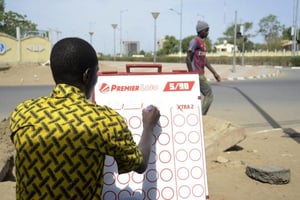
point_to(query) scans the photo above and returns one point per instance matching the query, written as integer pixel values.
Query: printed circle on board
(196, 172)
(198, 190)
(153, 157)
(153, 193)
(139, 194)
(184, 191)
(192, 119)
(164, 138)
(123, 178)
(183, 173)
(194, 137)
(137, 178)
(167, 193)
(109, 161)
(109, 178)
(178, 120)
(166, 174)
(163, 121)
(136, 137)
(195, 154)
(124, 194)
(181, 155)
(135, 122)
(154, 139)
(151, 175)
(165, 156)
(180, 137)
(110, 195)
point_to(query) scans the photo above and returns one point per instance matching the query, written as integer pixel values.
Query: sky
(76, 18)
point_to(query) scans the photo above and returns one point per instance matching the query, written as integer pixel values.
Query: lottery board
(177, 167)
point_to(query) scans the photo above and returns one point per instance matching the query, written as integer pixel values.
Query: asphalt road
(260, 104)
(254, 104)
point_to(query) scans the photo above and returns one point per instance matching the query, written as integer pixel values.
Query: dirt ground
(225, 170)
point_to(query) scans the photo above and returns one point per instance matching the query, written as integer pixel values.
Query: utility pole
(295, 29)
(121, 39)
(180, 28)
(234, 45)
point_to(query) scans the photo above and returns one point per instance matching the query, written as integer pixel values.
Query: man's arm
(188, 61)
(212, 70)
(151, 116)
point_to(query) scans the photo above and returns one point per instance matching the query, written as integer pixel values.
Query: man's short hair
(69, 59)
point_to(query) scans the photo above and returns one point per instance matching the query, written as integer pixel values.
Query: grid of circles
(150, 176)
(186, 148)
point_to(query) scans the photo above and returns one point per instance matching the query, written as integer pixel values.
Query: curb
(260, 76)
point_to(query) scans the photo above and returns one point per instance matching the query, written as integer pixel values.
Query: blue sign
(2, 48)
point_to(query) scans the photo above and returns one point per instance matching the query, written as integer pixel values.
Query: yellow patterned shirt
(61, 142)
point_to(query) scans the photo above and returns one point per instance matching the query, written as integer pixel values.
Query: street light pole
(114, 27)
(121, 12)
(234, 45)
(242, 30)
(155, 16)
(91, 37)
(295, 31)
(180, 31)
(180, 41)
(91, 33)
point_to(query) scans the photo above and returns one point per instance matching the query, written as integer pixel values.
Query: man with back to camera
(196, 60)
(61, 140)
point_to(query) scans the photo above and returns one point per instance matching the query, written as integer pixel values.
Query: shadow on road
(274, 124)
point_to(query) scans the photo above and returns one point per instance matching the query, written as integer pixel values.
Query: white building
(225, 48)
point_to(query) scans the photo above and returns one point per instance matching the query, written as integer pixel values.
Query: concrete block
(269, 174)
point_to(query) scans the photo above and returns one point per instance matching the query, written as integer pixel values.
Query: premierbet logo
(104, 88)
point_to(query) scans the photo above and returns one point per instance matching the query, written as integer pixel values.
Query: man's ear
(85, 76)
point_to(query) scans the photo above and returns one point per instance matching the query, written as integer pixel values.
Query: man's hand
(151, 116)
(217, 77)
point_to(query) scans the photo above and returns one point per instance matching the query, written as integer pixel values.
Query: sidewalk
(227, 72)
(244, 72)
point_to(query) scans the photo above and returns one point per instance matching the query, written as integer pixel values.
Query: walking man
(196, 61)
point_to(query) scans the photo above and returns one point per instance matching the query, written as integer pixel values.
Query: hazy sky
(78, 17)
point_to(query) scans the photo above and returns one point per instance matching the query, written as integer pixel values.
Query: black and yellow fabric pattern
(61, 142)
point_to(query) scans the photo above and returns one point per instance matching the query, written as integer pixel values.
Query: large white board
(177, 168)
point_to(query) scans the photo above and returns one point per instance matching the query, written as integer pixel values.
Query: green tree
(270, 28)
(10, 20)
(185, 43)
(1, 5)
(287, 34)
(142, 52)
(170, 45)
(245, 36)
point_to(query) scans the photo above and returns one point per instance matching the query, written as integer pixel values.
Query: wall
(33, 49)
